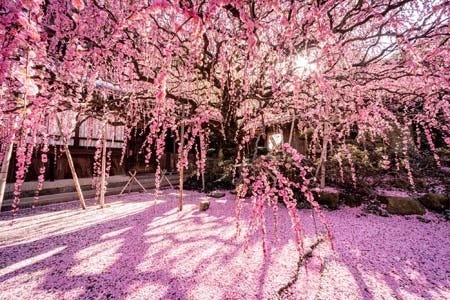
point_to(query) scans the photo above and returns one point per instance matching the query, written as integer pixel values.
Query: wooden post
(4, 171)
(71, 165)
(323, 157)
(204, 205)
(203, 182)
(181, 154)
(103, 175)
(201, 155)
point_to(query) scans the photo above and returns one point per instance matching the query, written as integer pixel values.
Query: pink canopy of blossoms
(380, 65)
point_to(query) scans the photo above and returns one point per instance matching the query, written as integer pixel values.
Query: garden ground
(135, 250)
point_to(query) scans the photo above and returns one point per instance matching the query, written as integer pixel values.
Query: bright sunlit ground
(130, 250)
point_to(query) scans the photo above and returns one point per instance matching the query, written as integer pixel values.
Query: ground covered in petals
(135, 250)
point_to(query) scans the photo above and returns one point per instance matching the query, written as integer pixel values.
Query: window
(275, 140)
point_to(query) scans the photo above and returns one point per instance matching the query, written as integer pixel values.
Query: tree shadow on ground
(389, 258)
(132, 250)
(147, 253)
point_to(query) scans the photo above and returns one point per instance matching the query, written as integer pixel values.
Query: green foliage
(219, 175)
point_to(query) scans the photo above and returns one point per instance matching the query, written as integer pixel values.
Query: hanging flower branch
(272, 178)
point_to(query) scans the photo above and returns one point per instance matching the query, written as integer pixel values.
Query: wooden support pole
(203, 181)
(325, 141)
(133, 177)
(140, 184)
(103, 174)
(180, 158)
(164, 177)
(323, 158)
(204, 162)
(128, 182)
(71, 165)
(4, 171)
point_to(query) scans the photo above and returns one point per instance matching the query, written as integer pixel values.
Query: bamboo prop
(181, 152)
(71, 165)
(103, 174)
(128, 183)
(133, 177)
(4, 171)
(164, 176)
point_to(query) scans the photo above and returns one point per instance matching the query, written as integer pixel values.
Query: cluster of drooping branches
(22, 106)
(277, 177)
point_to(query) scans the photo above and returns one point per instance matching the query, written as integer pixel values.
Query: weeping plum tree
(332, 66)
(21, 118)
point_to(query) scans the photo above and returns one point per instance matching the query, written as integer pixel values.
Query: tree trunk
(226, 145)
(71, 165)
(4, 171)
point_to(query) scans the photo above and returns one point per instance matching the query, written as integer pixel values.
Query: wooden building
(82, 146)
(277, 130)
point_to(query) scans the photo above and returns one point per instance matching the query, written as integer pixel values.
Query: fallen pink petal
(130, 251)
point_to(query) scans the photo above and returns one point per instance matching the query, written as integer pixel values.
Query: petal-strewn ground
(132, 250)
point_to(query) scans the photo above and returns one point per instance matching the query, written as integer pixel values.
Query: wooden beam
(71, 165)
